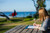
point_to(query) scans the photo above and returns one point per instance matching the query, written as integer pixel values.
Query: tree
(41, 3)
(3, 15)
(35, 16)
(38, 4)
(49, 11)
(29, 16)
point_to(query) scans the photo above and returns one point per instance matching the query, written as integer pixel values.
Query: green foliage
(5, 28)
(38, 4)
(36, 16)
(41, 3)
(28, 19)
(49, 11)
(29, 16)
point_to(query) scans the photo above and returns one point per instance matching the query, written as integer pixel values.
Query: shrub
(28, 19)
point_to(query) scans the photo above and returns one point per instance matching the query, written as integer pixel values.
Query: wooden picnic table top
(21, 29)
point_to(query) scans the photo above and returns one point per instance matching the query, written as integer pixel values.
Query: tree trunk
(2, 14)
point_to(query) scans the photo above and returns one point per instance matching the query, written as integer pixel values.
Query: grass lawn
(5, 28)
(6, 25)
(15, 20)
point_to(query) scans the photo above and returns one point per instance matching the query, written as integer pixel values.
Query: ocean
(19, 14)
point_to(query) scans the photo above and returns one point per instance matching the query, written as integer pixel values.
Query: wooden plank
(34, 31)
(20, 30)
(29, 31)
(24, 31)
(12, 29)
(16, 29)
(39, 31)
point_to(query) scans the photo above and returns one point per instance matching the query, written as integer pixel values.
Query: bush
(36, 16)
(49, 11)
(28, 19)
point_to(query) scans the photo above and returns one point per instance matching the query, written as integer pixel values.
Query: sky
(19, 5)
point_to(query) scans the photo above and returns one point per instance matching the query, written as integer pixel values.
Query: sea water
(19, 14)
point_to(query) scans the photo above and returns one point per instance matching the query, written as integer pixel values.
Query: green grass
(13, 22)
(5, 28)
(28, 19)
(18, 21)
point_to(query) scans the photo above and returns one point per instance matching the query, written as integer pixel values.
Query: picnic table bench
(21, 29)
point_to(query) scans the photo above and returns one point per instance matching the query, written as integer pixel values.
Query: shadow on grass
(5, 28)
(15, 20)
(3, 20)
(2, 24)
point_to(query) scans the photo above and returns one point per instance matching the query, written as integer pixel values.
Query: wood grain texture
(21, 29)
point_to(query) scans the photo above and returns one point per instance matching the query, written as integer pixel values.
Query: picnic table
(21, 29)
